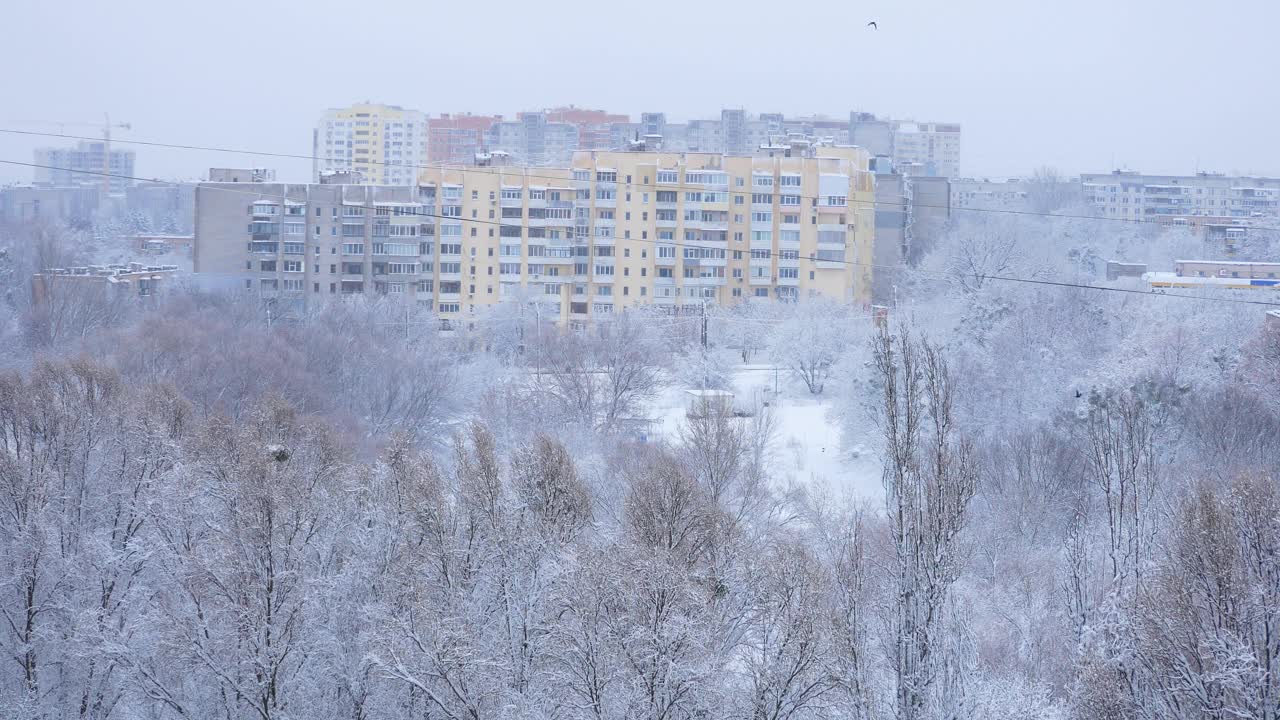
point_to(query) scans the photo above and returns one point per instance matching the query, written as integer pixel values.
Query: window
(789, 181)
(293, 266)
(762, 180)
(511, 193)
(602, 269)
(667, 177)
(761, 237)
(450, 249)
(607, 176)
(791, 200)
(402, 268)
(267, 266)
(509, 268)
(761, 199)
(352, 248)
(762, 217)
(450, 268)
(295, 228)
(666, 251)
(789, 273)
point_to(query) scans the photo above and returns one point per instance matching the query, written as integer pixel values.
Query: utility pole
(704, 323)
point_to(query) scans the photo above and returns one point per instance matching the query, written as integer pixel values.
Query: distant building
(455, 139)
(597, 129)
(166, 207)
(1221, 274)
(933, 146)
(83, 166)
(910, 213)
(534, 140)
(161, 244)
(876, 135)
(131, 280)
(386, 144)
(28, 203)
(1133, 196)
(242, 175)
(970, 194)
(1117, 269)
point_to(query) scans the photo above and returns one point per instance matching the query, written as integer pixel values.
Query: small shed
(706, 402)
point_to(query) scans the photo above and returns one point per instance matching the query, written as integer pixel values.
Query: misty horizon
(1091, 88)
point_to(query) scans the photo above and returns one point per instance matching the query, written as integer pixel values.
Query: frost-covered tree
(930, 475)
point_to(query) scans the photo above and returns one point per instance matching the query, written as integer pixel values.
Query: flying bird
(873, 24)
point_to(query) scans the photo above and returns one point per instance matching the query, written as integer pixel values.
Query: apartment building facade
(613, 230)
(534, 140)
(455, 139)
(597, 129)
(1134, 196)
(83, 165)
(928, 149)
(385, 144)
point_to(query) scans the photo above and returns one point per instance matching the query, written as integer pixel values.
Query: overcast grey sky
(1155, 85)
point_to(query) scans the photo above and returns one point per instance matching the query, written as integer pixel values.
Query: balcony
(664, 280)
(664, 261)
(664, 300)
(510, 202)
(766, 280)
(509, 277)
(449, 297)
(446, 277)
(789, 282)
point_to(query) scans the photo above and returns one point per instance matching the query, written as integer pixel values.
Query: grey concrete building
(291, 241)
(911, 212)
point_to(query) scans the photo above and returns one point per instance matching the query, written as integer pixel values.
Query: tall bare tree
(929, 477)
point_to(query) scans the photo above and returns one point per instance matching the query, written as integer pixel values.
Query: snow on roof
(1168, 277)
(709, 393)
(1229, 263)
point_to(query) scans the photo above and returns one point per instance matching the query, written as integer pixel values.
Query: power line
(653, 186)
(674, 243)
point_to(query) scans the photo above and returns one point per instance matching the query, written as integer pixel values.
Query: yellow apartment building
(615, 230)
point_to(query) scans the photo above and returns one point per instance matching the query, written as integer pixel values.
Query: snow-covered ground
(807, 447)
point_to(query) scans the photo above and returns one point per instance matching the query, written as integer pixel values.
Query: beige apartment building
(385, 144)
(615, 230)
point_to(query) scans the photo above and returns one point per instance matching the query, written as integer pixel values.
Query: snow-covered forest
(208, 510)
